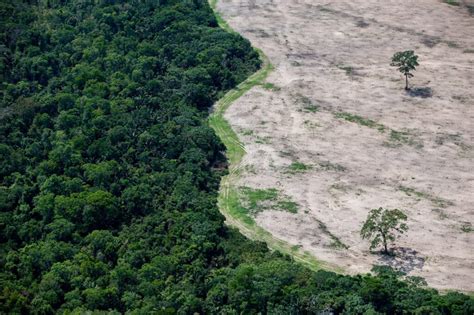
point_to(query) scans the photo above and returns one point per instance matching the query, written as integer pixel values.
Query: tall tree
(382, 226)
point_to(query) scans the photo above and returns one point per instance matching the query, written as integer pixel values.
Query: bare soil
(339, 108)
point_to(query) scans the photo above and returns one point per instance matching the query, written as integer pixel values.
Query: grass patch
(403, 137)
(262, 140)
(255, 197)
(286, 154)
(311, 108)
(295, 247)
(328, 166)
(441, 214)
(288, 206)
(311, 125)
(308, 105)
(452, 2)
(270, 86)
(298, 167)
(360, 120)
(349, 70)
(238, 216)
(258, 200)
(339, 186)
(336, 242)
(466, 227)
(437, 201)
(400, 136)
(239, 212)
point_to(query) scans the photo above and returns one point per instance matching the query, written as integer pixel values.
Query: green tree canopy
(382, 226)
(406, 62)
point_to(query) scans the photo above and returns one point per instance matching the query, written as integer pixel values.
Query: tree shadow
(403, 259)
(423, 92)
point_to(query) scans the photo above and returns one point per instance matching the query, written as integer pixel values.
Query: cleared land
(333, 134)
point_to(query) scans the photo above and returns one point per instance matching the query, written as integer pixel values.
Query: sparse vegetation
(270, 86)
(298, 167)
(397, 137)
(336, 242)
(262, 140)
(247, 132)
(329, 166)
(437, 201)
(349, 70)
(257, 200)
(383, 226)
(295, 247)
(360, 120)
(441, 213)
(452, 2)
(307, 103)
(311, 124)
(400, 136)
(466, 227)
(362, 24)
(288, 206)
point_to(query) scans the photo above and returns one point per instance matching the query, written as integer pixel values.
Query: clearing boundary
(228, 199)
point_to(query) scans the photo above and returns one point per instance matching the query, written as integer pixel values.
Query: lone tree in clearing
(381, 226)
(405, 61)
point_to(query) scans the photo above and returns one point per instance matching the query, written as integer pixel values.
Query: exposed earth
(335, 132)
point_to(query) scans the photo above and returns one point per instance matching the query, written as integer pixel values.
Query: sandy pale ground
(417, 154)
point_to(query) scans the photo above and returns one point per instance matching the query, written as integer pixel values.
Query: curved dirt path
(338, 111)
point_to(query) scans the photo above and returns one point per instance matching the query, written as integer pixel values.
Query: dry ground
(337, 107)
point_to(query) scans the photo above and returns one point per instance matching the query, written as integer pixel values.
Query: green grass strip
(228, 200)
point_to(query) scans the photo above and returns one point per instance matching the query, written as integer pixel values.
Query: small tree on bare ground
(383, 226)
(405, 61)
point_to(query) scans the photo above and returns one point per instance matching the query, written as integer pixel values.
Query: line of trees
(109, 173)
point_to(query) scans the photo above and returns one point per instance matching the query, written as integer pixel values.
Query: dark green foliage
(406, 62)
(382, 226)
(109, 172)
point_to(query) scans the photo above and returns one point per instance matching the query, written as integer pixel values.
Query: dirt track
(338, 108)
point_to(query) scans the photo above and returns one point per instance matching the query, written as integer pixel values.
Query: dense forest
(109, 173)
